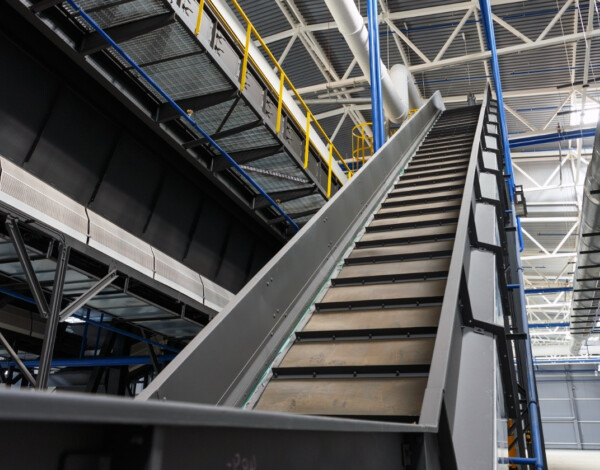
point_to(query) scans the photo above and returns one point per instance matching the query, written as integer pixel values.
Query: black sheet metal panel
(72, 147)
(130, 185)
(174, 215)
(237, 346)
(64, 128)
(23, 115)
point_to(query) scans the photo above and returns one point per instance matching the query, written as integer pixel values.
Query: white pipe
(351, 24)
(405, 86)
(561, 459)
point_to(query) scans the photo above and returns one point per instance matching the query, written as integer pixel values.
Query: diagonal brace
(15, 357)
(88, 295)
(32, 280)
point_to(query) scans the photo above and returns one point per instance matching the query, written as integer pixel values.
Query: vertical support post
(534, 415)
(307, 141)
(375, 64)
(486, 16)
(280, 102)
(245, 61)
(535, 420)
(199, 20)
(330, 169)
(54, 317)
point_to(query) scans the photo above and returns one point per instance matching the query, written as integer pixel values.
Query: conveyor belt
(366, 350)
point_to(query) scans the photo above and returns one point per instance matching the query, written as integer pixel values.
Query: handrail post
(307, 143)
(245, 61)
(199, 20)
(280, 102)
(329, 174)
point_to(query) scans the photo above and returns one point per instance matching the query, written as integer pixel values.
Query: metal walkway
(203, 59)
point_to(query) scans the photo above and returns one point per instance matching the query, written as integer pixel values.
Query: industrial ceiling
(549, 60)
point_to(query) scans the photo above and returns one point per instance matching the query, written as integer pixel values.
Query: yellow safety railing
(283, 82)
(362, 144)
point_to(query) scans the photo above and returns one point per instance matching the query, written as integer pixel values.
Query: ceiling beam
(464, 59)
(393, 16)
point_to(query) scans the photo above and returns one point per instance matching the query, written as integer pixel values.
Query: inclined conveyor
(366, 350)
(386, 322)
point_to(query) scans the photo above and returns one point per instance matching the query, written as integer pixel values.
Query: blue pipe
(520, 232)
(567, 361)
(549, 325)
(555, 137)
(548, 290)
(375, 69)
(521, 461)
(486, 16)
(99, 361)
(534, 416)
(95, 323)
(183, 114)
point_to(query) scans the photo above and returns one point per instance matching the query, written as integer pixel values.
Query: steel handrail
(283, 81)
(145, 76)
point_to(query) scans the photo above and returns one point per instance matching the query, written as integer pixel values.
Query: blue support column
(375, 64)
(534, 417)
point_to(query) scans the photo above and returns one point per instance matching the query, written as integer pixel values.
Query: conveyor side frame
(264, 313)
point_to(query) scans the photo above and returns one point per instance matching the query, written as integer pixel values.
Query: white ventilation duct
(400, 94)
(586, 286)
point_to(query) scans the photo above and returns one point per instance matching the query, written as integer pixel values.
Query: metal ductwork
(400, 94)
(586, 284)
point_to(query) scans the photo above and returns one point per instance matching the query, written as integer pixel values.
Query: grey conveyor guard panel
(229, 356)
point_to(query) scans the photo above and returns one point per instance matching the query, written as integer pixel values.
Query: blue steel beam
(375, 69)
(548, 290)
(181, 112)
(549, 325)
(534, 417)
(98, 361)
(554, 137)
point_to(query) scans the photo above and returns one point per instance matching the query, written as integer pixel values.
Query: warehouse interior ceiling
(549, 60)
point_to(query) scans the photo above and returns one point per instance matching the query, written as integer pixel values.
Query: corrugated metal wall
(570, 405)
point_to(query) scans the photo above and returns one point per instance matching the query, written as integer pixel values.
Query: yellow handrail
(362, 143)
(284, 79)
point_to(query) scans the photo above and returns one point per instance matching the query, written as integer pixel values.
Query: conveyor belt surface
(366, 350)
